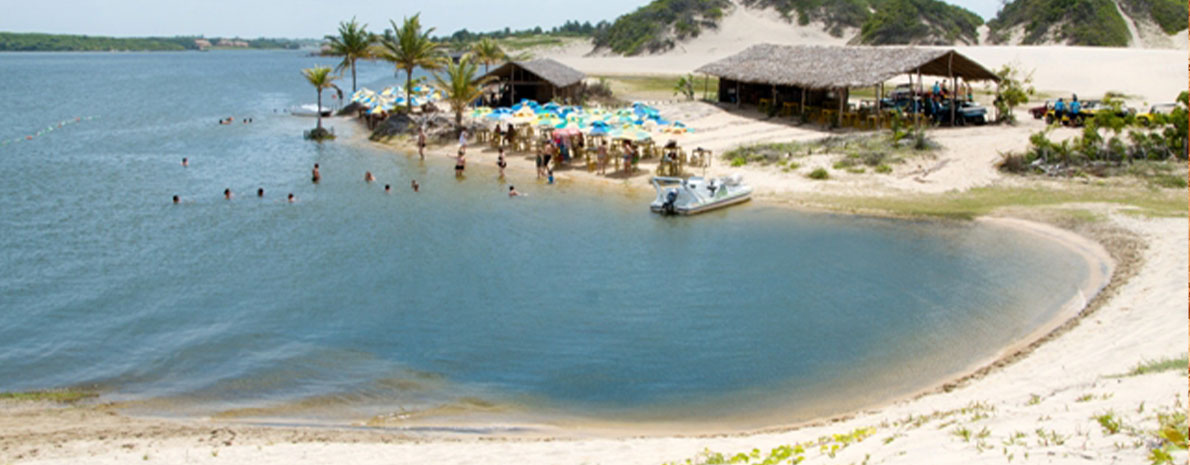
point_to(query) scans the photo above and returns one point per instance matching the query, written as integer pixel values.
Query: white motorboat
(696, 195)
(310, 109)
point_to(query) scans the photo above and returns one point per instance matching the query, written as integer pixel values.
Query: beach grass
(1179, 363)
(1160, 203)
(63, 396)
(518, 43)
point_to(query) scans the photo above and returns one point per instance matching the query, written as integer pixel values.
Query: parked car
(1147, 117)
(1039, 112)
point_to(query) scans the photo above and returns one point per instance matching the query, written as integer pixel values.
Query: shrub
(883, 169)
(819, 174)
(738, 162)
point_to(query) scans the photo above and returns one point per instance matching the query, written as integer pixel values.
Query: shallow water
(454, 305)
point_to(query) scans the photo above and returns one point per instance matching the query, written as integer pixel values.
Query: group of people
(1061, 108)
(316, 177)
(227, 193)
(232, 120)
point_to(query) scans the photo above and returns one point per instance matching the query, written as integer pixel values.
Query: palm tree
(488, 52)
(352, 43)
(460, 85)
(321, 78)
(408, 47)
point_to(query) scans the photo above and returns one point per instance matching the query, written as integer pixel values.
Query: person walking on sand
(316, 176)
(538, 161)
(421, 142)
(500, 163)
(463, 139)
(368, 176)
(460, 163)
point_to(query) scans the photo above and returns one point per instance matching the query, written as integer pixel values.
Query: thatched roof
(547, 69)
(818, 67)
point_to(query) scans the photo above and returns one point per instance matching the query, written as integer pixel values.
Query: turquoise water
(454, 305)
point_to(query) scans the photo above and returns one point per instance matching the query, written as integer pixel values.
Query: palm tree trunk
(318, 112)
(409, 90)
(353, 76)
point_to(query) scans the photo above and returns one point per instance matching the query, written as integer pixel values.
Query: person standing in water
(260, 192)
(421, 142)
(185, 162)
(316, 176)
(176, 200)
(388, 188)
(500, 163)
(460, 163)
(227, 194)
(368, 176)
(291, 199)
(415, 185)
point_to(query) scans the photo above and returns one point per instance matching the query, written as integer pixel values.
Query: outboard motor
(671, 196)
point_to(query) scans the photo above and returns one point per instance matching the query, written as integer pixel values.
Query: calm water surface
(453, 305)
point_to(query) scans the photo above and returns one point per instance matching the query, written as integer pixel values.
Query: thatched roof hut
(819, 67)
(542, 80)
(824, 75)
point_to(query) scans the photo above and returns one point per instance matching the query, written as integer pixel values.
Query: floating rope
(48, 129)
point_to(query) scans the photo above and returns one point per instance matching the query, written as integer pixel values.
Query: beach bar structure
(823, 76)
(541, 80)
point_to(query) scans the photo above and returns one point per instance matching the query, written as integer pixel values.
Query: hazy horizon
(306, 19)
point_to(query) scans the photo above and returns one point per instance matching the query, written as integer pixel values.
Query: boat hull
(686, 211)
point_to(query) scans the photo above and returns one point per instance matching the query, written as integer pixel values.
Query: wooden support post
(706, 83)
(738, 97)
(950, 71)
(920, 106)
(842, 98)
(773, 104)
(802, 90)
(879, 105)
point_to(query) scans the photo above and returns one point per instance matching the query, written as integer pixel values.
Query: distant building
(231, 43)
(202, 44)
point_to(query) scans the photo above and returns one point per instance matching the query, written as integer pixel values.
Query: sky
(310, 18)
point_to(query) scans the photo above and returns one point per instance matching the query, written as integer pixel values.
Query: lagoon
(456, 305)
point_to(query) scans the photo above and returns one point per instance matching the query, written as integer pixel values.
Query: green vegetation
(982, 201)
(568, 29)
(1170, 15)
(1076, 22)
(1170, 436)
(819, 174)
(1109, 421)
(64, 396)
(460, 86)
(1180, 363)
(836, 15)
(656, 26)
(920, 22)
(488, 52)
(1100, 151)
(353, 43)
(828, 446)
(1015, 89)
(407, 47)
(321, 78)
(36, 42)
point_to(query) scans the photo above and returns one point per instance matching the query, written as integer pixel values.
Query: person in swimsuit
(512, 191)
(415, 185)
(549, 154)
(551, 176)
(227, 194)
(176, 200)
(388, 188)
(291, 199)
(602, 158)
(368, 176)
(185, 162)
(460, 163)
(500, 163)
(260, 192)
(421, 142)
(316, 176)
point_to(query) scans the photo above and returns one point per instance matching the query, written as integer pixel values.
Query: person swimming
(388, 188)
(176, 199)
(260, 192)
(368, 176)
(227, 194)
(512, 191)
(291, 199)
(185, 162)
(316, 176)
(415, 185)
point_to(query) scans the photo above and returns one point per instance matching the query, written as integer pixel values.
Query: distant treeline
(36, 42)
(656, 26)
(1084, 22)
(569, 29)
